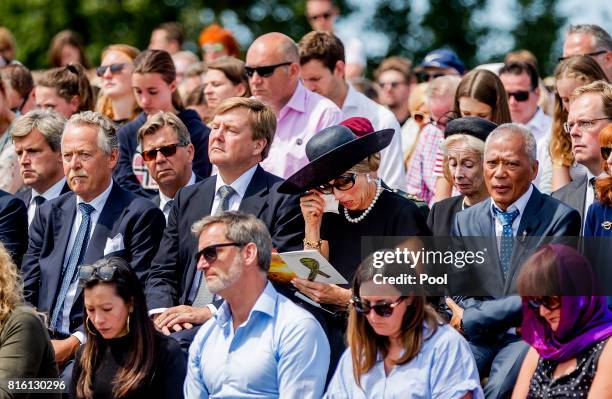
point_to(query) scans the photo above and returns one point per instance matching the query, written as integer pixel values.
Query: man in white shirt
(37, 136)
(322, 70)
(168, 154)
(520, 80)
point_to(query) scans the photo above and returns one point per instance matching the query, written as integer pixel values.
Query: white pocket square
(114, 244)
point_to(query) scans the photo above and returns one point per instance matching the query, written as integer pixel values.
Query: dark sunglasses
(427, 76)
(114, 68)
(520, 96)
(89, 273)
(167, 151)
(549, 302)
(383, 309)
(325, 16)
(264, 71)
(605, 152)
(393, 85)
(420, 117)
(210, 252)
(593, 54)
(342, 183)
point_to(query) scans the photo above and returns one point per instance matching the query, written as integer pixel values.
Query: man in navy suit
(98, 218)
(13, 226)
(37, 136)
(242, 131)
(516, 209)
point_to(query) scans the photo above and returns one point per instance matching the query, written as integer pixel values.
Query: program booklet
(307, 264)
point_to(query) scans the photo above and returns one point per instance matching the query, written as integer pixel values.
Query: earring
(127, 326)
(87, 326)
(369, 178)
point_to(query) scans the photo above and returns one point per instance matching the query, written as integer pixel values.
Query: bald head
(276, 43)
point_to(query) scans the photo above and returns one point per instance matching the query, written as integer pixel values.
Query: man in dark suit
(516, 209)
(37, 136)
(13, 226)
(242, 131)
(587, 116)
(98, 218)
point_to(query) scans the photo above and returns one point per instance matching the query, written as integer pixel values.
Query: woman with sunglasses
(117, 99)
(225, 77)
(570, 74)
(155, 89)
(398, 347)
(419, 117)
(599, 216)
(567, 327)
(122, 345)
(217, 42)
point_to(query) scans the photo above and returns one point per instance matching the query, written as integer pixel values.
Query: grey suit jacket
(574, 194)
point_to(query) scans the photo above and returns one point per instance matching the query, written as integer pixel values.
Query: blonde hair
(11, 286)
(367, 165)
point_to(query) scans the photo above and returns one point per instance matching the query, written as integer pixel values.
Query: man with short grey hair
(286, 348)
(591, 40)
(37, 136)
(96, 219)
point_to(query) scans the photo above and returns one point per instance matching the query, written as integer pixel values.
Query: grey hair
(601, 38)
(473, 144)
(443, 86)
(107, 133)
(242, 228)
(48, 122)
(530, 144)
(160, 120)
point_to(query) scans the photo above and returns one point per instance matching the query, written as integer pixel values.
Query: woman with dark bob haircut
(124, 356)
(398, 347)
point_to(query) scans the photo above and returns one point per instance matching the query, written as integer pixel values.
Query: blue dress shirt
(280, 351)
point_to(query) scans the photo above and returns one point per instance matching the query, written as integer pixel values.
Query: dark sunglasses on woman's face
(420, 117)
(167, 151)
(605, 152)
(88, 273)
(114, 68)
(549, 302)
(342, 183)
(520, 96)
(210, 252)
(264, 71)
(383, 308)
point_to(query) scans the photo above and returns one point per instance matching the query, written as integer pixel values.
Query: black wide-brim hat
(331, 152)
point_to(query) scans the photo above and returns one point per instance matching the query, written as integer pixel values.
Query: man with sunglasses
(272, 65)
(590, 40)
(323, 71)
(590, 110)
(168, 154)
(521, 81)
(394, 77)
(439, 62)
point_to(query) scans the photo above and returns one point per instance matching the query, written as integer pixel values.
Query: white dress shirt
(53, 192)
(164, 199)
(239, 185)
(541, 128)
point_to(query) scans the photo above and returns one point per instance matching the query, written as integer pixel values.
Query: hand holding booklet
(307, 264)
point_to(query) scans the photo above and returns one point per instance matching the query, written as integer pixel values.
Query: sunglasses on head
(549, 302)
(342, 183)
(89, 273)
(264, 71)
(593, 54)
(210, 252)
(520, 96)
(167, 151)
(605, 152)
(427, 76)
(114, 68)
(383, 308)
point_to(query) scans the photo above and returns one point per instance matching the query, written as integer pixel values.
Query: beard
(220, 282)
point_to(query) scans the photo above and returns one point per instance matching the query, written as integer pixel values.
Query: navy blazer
(173, 269)
(543, 219)
(13, 231)
(139, 222)
(26, 195)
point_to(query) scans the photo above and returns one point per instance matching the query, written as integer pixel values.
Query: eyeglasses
(383, 309)
(420, 117)
(167, 151)
(585, 124)
(520, 96)
(342, 183)
(392, 85)
(212, 47)
(89, 273)
(593, 54)
(549, 302)
(264, 71)
(210, 252)
(605, 152)
(427, 76)
(114, 68)
(325, 16)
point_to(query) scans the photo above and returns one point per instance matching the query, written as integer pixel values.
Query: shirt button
(298, 141)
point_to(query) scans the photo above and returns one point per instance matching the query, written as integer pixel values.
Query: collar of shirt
(540, 124)
(266, 303)
(53, 192)
(240, 184)
(351, 100)
(519, 204)
(163, 199)
(297, 102)
(100, 200)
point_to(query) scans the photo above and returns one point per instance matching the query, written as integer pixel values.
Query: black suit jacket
(442, 215)
(26, 195)
(139, 222)
(13, 231)
(174, 268)
(157, 200)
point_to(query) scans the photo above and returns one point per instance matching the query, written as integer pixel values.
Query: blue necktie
(506, 242)
(75, 259)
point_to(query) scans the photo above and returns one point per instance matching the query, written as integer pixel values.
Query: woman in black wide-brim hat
(343, 164)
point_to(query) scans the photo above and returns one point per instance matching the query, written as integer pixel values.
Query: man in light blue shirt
(259, 343)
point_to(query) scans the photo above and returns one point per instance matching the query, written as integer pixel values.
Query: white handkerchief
(331, 203)
(114, 244)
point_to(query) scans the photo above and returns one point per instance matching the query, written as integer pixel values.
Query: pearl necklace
(358, 219)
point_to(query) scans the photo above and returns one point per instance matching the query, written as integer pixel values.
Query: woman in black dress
(464, 147)
(124, 356)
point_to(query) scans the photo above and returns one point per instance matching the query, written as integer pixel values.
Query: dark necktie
(39, 200)
(506, 243)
